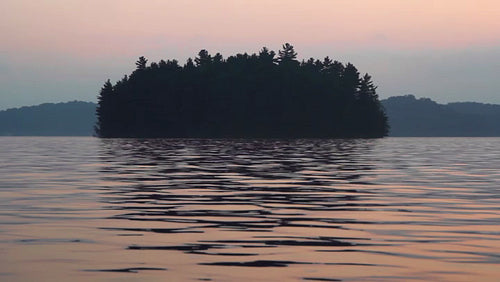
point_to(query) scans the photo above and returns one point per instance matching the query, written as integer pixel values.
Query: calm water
(394, 209)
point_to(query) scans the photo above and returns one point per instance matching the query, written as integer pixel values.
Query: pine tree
(287, 54)
(104, 110)
(141, 63)
(203, 58)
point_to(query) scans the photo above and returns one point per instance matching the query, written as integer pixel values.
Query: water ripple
(324, 210)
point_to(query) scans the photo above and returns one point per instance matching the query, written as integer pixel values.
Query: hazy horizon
(59, 51)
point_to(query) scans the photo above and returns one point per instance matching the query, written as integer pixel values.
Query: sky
(64, 50)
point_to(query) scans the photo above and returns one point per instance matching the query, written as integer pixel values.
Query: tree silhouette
(287, 55)
(104, 110)
(203, 58)
(141, 63)
(266, 56)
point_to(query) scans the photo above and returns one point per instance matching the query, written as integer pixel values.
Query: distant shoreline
(396, 108)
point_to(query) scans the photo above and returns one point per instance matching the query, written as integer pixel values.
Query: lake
(392, 209)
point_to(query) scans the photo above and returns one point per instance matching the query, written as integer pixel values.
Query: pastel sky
(63, 50)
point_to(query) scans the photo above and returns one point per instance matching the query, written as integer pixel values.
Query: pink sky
(73, 35)
(92, 27)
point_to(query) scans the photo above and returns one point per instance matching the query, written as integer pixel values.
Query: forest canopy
(264, 95)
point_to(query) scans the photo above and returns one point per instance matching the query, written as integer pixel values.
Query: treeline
(412, 117)
(264, 95)
(49, 119)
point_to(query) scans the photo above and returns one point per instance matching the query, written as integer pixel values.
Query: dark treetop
(244, 96)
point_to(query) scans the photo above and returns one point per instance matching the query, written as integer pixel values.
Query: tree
(350, 78)
(162, 64)
(103, 110)
(327, 63)
(266, 56)
(189, 64)
(218, 59)
(203, 58)
(287, 54)
(141, 63)
(366, 91)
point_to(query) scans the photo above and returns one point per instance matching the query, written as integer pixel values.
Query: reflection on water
(317, 210)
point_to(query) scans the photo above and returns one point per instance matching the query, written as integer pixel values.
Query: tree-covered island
(264, 95)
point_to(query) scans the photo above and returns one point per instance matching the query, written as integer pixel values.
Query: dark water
(395, 209)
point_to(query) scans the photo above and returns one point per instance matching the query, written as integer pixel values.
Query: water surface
(393, 209)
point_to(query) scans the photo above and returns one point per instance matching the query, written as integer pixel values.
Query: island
(264, 95)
